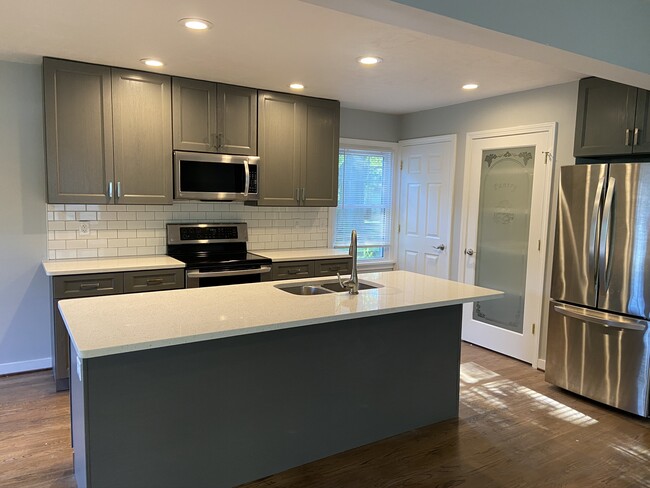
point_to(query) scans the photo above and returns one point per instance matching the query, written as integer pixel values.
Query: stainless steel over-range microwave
(203, 176)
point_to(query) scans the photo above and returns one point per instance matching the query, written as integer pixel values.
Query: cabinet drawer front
(157, 279)
(327, 267)
(90, 285)
(296, 269)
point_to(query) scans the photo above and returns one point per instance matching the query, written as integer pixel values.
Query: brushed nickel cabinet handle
(110, 189)
(636, 137)
(155, 281)
(89, 286)
(627, 137)
(119, 189)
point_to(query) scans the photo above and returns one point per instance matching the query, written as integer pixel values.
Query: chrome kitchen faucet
(351, 284)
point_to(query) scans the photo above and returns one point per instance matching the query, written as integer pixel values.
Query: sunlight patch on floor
(482, 392)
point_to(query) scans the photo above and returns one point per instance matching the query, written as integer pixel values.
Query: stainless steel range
(215, 254)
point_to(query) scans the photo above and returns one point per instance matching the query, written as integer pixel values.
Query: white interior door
(505, 216)
(425, 203)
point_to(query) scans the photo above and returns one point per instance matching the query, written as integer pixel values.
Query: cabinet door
(605, 118)
(329, 267)
(642, 123)
(78, 131)
(142, 137)
(319, 176)
(236, 120)
(194, 106)
(292, 270)
(154, 280)
(281, 119)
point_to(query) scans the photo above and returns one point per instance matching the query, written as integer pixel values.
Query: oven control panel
(201, 233)
(206, 233)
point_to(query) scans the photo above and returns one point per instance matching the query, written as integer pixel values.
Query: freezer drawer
(603, 356)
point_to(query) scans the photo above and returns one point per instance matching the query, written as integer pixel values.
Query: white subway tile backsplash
(130, 230)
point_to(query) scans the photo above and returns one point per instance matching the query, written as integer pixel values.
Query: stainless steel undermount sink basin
(336, 286)
(320, 288)
(303, 289)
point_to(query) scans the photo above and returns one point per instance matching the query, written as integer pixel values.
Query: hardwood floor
(513, 430)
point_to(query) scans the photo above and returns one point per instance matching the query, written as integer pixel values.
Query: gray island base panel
(227, 411)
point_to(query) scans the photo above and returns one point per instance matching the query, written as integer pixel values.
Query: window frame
(360, 144)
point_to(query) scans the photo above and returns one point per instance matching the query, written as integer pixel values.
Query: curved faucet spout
(352, 284)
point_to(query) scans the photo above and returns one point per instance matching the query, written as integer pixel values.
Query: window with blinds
(365, 200)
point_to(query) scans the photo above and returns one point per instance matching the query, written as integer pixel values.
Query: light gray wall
(370, 126)
(24, 295)
(612, 31)
(551, 104)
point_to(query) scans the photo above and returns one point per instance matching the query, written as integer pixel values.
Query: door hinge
(533, 329)
(539, 245)
(401, 165)
(399, 228)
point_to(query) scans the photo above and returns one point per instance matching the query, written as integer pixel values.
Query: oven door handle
(247, 178)
(234, 272)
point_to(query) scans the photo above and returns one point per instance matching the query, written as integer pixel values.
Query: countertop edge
(115, 268)
(122, 349)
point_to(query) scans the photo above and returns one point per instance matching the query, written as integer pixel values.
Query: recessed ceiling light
(369, 60)
(196, 24)
(470, 86)
(296, 86)
(152, 62)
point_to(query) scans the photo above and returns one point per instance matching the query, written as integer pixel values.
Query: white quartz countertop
(101, 326)
(283, 255)
(62, 267)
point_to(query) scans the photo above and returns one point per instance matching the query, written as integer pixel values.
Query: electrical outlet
(84, 228)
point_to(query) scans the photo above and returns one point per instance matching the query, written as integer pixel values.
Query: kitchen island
(220, 386)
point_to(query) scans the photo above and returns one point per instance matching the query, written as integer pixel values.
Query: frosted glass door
(503, 228)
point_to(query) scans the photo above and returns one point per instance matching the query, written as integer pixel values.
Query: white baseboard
(24, 366)
(541, 364)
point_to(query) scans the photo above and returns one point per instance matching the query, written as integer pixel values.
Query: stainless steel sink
(303, 289)
(320, 288)
(336, 287)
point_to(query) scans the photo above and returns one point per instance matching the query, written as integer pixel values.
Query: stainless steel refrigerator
(598, 336)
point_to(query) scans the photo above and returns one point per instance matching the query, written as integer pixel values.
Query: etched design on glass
(503, 228)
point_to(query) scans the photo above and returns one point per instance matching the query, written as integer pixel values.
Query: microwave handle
(247, 181)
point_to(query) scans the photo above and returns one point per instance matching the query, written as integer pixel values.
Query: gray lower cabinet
(612, 119)
(291, 270)
(108, 134)
(214, 117)
(298, 147)
(91, 285)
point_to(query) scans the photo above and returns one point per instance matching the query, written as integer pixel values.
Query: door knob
(441, 247)
(469, 252)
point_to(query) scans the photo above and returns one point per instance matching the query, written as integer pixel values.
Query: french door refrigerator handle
(601, 318)
(593, 228)
(603, 265)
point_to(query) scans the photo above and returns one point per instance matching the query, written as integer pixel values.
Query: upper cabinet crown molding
(108, 134)
(612, 119)
(298, 145)
(214, 117)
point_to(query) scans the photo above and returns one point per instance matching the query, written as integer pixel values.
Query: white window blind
(365, 200)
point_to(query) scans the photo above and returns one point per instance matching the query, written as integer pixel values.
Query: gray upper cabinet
(213, 117)
(298, 146)
(79, 138)
(108, 134)
(194, 105)
(142, 136)
(236, 120)
(611, 119)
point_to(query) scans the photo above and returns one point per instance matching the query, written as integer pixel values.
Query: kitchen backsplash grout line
(139, 230)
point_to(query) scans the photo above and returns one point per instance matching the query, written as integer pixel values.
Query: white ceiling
(270, 43)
